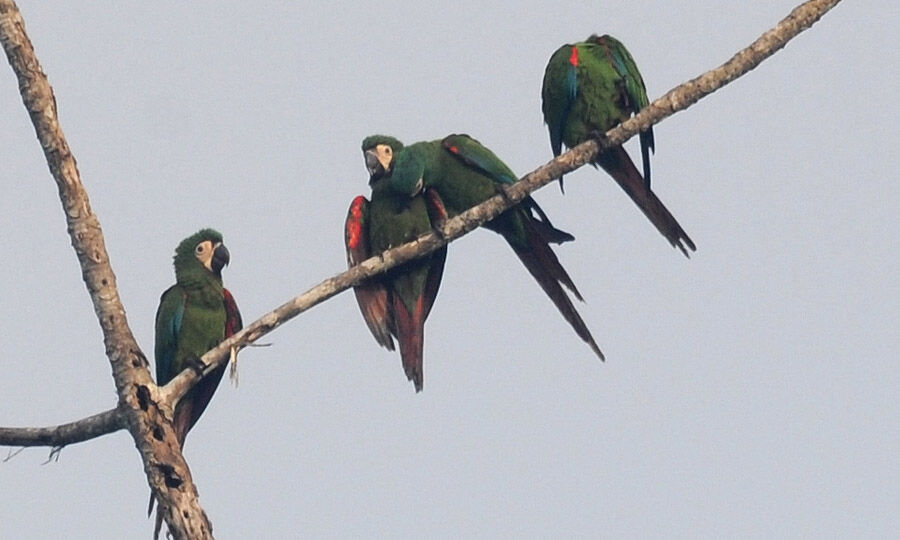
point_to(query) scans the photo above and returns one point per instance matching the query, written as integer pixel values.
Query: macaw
(194, 315)
(398, 302)
(464, 173)
(589, 88)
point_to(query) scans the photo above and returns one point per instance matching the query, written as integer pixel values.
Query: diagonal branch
(677, 99)
(673, 101)
(142, 406)
(167, 472)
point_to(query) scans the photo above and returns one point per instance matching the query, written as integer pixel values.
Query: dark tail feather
(372, 298)
(433, 282)
(618, 164)
(542, 263)
(411, 336)
(187, 412)
(542, 224)
(192, 405)
(539, 234)
(159, 517)
(158, 526)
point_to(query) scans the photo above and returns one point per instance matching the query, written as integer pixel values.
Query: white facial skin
(204, 253)
(385, 155)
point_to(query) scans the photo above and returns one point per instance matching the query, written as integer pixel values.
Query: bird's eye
(199, 249)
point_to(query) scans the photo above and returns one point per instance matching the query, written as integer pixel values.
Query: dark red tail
(411, 337)
(541, 262)
(618, 164)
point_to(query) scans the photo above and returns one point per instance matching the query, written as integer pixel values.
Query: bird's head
(379, 152)
(205, 250)
(409, 170)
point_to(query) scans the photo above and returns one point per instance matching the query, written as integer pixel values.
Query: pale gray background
(750, 391)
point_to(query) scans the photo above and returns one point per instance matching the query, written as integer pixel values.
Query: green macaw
(589, 88)
(194, 315)
(398, 302)
(465, 173)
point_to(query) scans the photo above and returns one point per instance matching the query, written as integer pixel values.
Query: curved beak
(373, 164)
(220, 259)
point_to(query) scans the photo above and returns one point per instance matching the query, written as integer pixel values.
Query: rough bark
(677, 99)
(167, 472)
(65, 434)
(145, 408)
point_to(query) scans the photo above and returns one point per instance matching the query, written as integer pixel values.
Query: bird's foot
(438, 230)
(195, 363)
(600, 137)
(503, 191)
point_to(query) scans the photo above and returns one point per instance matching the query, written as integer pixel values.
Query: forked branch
(141, 404)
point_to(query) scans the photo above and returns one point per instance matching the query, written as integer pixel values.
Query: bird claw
(600, 137)
(195, 363)
(502, 190)
(438, 230)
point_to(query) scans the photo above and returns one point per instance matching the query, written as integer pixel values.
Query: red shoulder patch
(233, 322)
(574, 58)
(453, 149)
(356, 206)
(354, 222)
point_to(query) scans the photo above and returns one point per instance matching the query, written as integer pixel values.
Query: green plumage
(590, 87)
(593, 90)
(397, 303)
(190, 321)
(194, 315)
(464, 173)
(395, 220)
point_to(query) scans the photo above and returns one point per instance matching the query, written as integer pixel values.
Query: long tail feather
(541, 262)
(618, 164)
(411, 337)
(372, 298)
(158, 526)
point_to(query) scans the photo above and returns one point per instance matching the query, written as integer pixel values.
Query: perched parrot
(464, 173)
(589, 88)
(194, 315)
(398, 302)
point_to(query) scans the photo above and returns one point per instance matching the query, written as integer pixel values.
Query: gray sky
(749, 391)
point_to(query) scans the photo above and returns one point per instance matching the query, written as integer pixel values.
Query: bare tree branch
(144, 408)
(167, 472)
(677, 99)
(65, 434)
(673, 101)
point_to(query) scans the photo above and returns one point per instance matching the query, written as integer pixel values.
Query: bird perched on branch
(589, 88)
(194, 315)
(398, 302)
(464, 173)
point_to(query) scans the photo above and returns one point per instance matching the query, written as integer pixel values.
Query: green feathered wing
(590, 87)
(465, 173)
(398, 302)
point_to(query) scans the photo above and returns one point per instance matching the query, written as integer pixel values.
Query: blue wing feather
(571, 92)
(169, 317)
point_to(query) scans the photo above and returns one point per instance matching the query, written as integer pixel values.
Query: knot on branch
(143, 397)
(170, 475)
